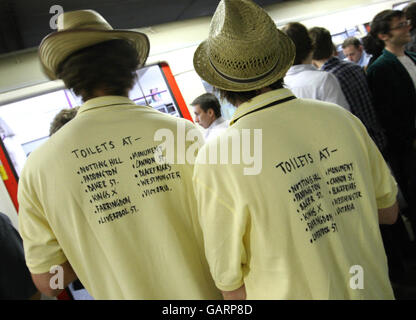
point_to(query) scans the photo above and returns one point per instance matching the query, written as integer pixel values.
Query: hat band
(242, 80)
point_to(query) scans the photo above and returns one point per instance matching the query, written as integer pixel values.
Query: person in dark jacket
(15, 280)
(392, 80)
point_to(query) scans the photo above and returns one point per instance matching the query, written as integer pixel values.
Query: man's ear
(383, 36)
(211, 112)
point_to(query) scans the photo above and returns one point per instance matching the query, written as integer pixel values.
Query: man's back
(307, 227)
(305, 81)
(125, 223)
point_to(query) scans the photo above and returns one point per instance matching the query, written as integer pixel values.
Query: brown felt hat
(80, 29)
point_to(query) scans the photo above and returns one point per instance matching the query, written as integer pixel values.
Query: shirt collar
(105, 101)
(361, 61)
(388, 53)
(216, 122)
(330, 61)
(259, 101)
(299, 68)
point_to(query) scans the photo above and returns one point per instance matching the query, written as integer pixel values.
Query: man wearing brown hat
(94, 203)
(307, 225)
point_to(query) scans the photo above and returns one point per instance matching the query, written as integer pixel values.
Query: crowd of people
(337, 138)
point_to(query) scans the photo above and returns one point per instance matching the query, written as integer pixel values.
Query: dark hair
(208, 101)
(381, 25)
(300, 37)
(244, 96)
(410, 12)
(64, 116)
(109, 65)
(373, 47)
(351, 41)
(322, 43)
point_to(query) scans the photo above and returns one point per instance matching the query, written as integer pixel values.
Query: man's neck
(396, 50)
(308, 59)
(212, 122)
(103, 92)
(319, 63)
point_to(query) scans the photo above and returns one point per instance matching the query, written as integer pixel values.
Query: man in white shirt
(305, 80)
(207, 111)
(354, 51)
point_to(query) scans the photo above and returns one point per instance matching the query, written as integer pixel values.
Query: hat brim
(57, 46)
(206, 71)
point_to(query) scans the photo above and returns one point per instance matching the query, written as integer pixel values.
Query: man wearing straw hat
(94, 204)
(307, 225)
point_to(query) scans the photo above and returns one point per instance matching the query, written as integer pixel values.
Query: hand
(237, 294)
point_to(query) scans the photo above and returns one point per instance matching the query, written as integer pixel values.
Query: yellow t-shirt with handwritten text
(295, 216)
(93, 194)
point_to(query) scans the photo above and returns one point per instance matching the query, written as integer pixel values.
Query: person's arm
(238, 294)
(43, 280)
(224, 225)
(41, 246)
(388, 215)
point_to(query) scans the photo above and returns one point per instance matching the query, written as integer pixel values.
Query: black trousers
(403, 164)
(395, 237)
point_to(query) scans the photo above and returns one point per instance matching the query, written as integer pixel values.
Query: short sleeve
(42, 250)
(384, 182)
(224, 226)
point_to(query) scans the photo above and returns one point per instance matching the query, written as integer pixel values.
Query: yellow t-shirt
(295, 217)
(94, 195)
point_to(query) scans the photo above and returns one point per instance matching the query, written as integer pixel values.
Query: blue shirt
(364, 60)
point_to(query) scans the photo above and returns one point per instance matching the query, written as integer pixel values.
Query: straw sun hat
(80, 29)
(244, 50)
